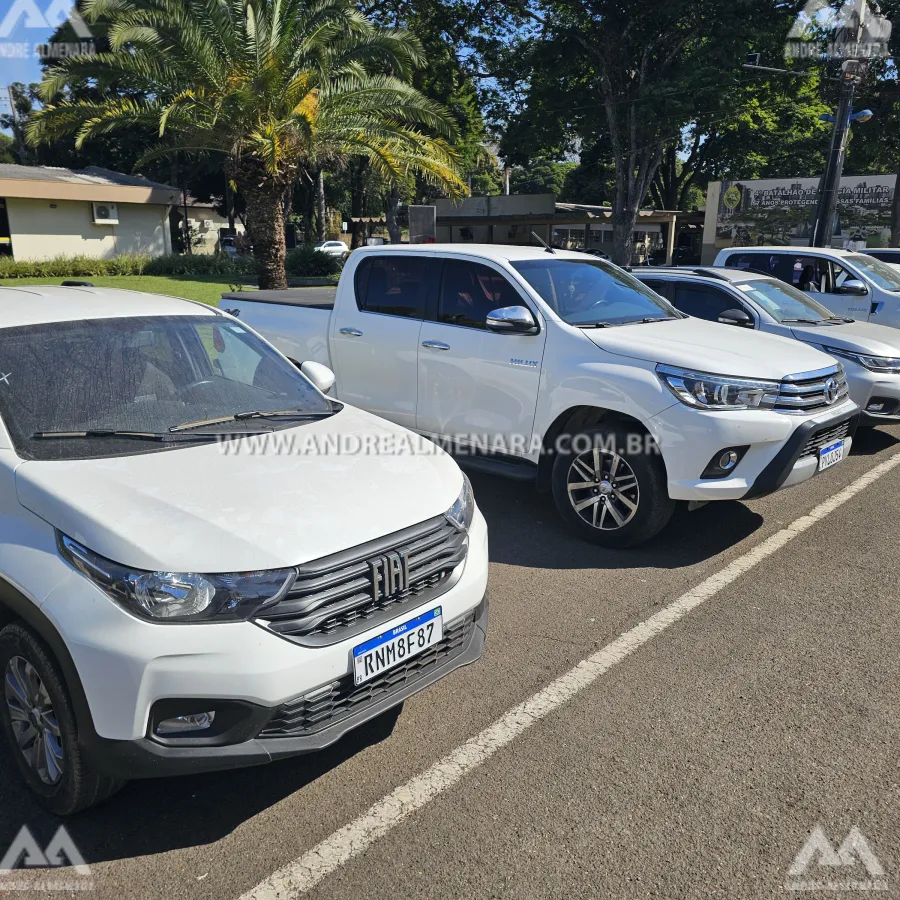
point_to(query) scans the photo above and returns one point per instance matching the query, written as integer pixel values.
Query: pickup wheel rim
(603, 489)
(34, 723)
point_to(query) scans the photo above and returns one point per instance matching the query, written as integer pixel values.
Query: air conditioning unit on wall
(105, 213)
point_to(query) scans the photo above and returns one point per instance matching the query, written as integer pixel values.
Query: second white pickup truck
(564, 369)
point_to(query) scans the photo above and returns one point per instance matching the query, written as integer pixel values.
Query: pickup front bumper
(781, 448)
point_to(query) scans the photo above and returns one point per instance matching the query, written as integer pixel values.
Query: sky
(25, 25)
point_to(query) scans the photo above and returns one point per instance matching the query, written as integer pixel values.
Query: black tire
(606, 516)
(73, 786)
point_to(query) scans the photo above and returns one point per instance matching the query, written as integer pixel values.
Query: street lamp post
(826, 207)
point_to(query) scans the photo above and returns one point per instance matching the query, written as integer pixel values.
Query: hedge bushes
(126, 264)
(304, 261)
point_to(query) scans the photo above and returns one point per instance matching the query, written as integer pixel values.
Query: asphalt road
(698, 766)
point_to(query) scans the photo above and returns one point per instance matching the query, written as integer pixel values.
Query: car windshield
(592, 291)
(881, 273)
(146, 376)
(783, 302)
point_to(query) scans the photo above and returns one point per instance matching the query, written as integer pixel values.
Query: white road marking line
(303, 874)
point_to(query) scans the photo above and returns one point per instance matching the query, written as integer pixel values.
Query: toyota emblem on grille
(390, 574)
(831, 391)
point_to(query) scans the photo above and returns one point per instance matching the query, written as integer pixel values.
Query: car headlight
(462, 511)
(889, 365)
(179, 596)
(705, 391)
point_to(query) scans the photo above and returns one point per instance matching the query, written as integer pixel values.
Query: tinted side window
(655, 285)
(703, 302)
(393, 285)
(808, 273)
(470, 291)
(755, 262)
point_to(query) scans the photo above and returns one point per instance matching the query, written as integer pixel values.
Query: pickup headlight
(705, 391)
(462, 511)
(888, 365)
(179, 596)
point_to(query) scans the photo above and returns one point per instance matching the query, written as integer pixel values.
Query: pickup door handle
(435, 345)
(353, 332)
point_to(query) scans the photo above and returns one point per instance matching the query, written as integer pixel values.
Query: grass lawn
(206, 288)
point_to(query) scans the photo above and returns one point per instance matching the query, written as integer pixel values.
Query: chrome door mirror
(854, 287)
(512, 320)
(736, 317)
(321, 376)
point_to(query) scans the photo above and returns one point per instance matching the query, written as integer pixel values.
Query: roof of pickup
(37, 304)
(509, 252)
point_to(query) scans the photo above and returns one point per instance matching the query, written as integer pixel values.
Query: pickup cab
(564, 369)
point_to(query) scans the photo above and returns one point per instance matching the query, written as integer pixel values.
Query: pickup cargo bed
(314, 297)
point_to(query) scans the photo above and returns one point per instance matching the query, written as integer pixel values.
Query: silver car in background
(869, 353)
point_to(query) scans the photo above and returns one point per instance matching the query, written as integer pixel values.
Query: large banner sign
(781, 211)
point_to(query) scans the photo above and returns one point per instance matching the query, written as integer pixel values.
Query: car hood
(711, 347)
(253, 503)
(859, 337)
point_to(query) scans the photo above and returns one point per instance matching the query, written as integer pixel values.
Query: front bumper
(148, 758)
(124, 668)
(872, 387)
(688, 440)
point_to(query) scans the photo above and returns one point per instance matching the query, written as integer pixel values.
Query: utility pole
(826, 206)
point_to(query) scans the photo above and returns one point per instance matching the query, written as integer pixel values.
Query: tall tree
(262, 84)
(609, 72)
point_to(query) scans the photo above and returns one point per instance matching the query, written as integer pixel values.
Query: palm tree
(271, 84)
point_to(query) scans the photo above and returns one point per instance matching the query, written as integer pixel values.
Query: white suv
(332, 248)
(205, 562)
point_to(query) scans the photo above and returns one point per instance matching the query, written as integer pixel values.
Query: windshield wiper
(803, 321)
(106, 433)
(596, 325)
(648, 319)
(252, 414)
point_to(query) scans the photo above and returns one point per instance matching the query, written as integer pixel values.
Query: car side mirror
(512, 320)
(736, 317)
(854, 287)
(321, 376)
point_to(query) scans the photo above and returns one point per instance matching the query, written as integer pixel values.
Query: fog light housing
(728, 460)
(724, 462)
(180, 725)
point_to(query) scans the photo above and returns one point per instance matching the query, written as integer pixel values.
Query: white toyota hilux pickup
(563, 368)
(205, 562)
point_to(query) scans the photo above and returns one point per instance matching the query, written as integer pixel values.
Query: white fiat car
(206, 562)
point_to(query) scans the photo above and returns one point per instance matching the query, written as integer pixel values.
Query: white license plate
(381, 653)
(831, 455)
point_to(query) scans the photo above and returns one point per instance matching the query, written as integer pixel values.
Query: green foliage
(306, 262)
(199, 264)
(543, 176)
(7, 149)
(126, 264)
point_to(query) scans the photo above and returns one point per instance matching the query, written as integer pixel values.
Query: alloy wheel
(603, 489)
(34, 723)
